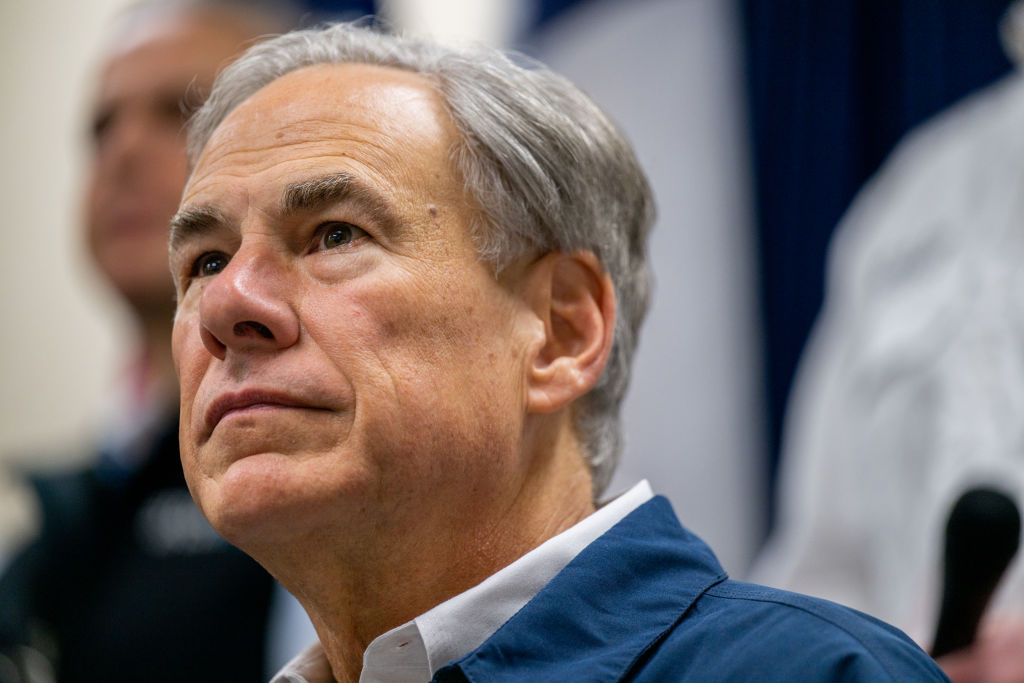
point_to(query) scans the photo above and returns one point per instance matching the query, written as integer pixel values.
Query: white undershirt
(411, 653)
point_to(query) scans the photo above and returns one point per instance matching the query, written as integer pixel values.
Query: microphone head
(982, 536)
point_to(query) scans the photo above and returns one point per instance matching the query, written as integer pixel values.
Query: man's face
(138, 166)
(346, 360)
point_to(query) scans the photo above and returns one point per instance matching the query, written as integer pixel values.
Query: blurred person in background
(911, 390)
(127, 581)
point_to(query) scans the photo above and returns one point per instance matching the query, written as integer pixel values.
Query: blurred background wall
(756, 119)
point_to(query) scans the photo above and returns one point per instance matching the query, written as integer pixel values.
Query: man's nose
(243, 308)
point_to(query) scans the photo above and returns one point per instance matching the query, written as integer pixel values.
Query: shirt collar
(608, 609)
(461, 624)
(309, 666)
(414, 650)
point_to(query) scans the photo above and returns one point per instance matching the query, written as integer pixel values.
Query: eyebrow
(307, 196)
(194, 222)
(318, 193)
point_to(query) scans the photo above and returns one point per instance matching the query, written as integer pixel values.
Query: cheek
(433, 362)
(91, 203)
(183, 331)
(190, 361)
(409, 324)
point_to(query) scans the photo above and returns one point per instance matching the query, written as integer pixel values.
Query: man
(410, 281)
(126, 581)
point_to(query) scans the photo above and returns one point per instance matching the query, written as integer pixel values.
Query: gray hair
(547, 167)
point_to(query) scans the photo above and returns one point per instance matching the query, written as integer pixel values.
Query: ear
(573, 297)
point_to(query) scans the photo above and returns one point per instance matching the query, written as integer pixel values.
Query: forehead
(382, 123)
(167, 53)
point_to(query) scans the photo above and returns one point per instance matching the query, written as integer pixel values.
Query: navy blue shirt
(648, 601)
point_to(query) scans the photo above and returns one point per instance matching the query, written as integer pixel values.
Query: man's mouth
(249, 400)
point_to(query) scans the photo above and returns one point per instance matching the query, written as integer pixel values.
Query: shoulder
(769, 634)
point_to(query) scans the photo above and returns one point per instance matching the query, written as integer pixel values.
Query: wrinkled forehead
(383, 124)
(369, 112)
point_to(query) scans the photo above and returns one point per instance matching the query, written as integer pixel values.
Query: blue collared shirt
(648, 601)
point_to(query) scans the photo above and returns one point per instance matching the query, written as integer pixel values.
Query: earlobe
(574, 298)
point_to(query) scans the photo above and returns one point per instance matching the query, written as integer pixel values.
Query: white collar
(413, 651)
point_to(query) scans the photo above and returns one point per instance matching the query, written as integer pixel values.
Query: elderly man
(410, 281)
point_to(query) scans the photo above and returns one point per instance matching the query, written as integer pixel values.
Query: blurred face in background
(159, 64)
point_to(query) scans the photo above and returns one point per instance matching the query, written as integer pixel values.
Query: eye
(334, 234)
(101, 125)
(210, 263)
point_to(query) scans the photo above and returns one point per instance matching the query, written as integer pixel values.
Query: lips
(249, 399)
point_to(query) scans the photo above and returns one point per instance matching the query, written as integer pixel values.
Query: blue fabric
(648, 601)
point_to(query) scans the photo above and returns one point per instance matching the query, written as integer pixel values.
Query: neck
(354, 594)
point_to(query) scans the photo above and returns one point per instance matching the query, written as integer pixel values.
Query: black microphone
(982, 536)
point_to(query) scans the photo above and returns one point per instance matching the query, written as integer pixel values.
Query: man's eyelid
(322, 227)
(190, 249)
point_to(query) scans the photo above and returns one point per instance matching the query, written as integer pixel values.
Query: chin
(246, 499)
(265, 500)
